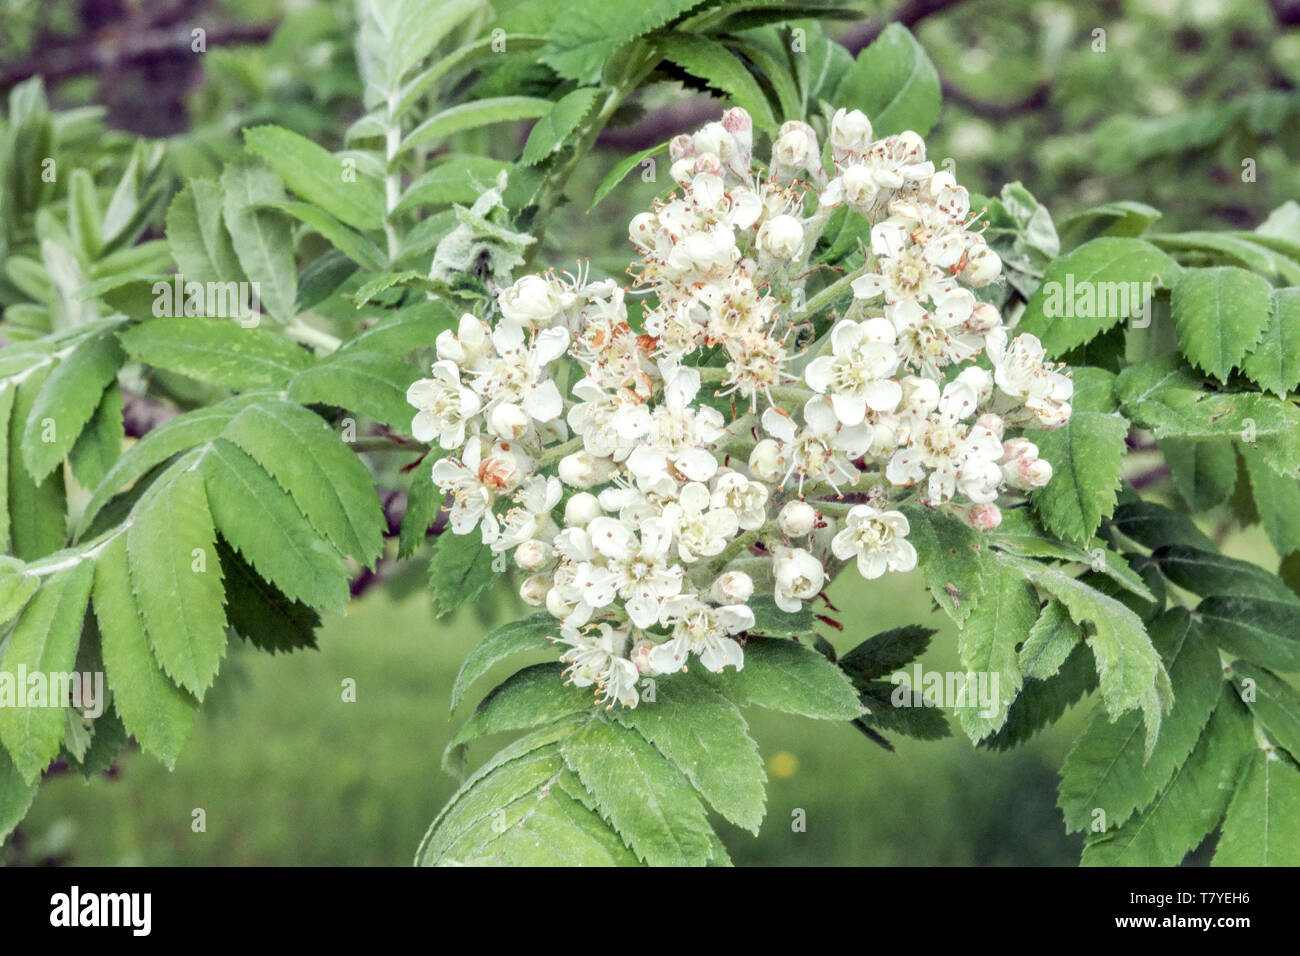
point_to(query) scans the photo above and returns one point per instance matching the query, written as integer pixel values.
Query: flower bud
(850, 131)
(640, 656)
(984, 517)
(859, 186)
(732, 587)
(581, 508)
(992, 424)
(782, 237)
(535, 589)
(556, 605)
(982, 266)
(983, 318)
(681, 146)
(583, 469)
(766, 460)
(508, 421)
(796, 519)
(532, 555)
(530, 302)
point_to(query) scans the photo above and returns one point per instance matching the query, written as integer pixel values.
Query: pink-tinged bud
(1036, 472)
(708, 163)
(796, 519)
(581, 509)
(1017, 448)
(532, 555)
(984, 517)
(737, 121)
(640, 656)
(991, 423)
(983, 318)
(535, 589)
(732, 587)
(681, 147)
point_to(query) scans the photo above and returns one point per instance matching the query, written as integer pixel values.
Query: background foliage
(1154, 130)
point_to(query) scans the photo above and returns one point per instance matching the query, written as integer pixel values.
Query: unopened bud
(797, 518)
(732, 587)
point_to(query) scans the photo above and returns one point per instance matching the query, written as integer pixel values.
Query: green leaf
(66, 401)
(218, 351)
(177, 578)
(1189, 806)
(1274, 362)
(1042, 702)
(1204, 472)
(395, 36)
(255, 515)
(1091, 289)
(1272, 701)
(884, 653)
(532, 697)
(1208, 572)
(360, 381)
(1220, 314)
(532, 633)
(156, 712)
(721, 69)
(1121, 218)
(894, 83)
(459, 571)
(318, 177)
(37, 525)
(771, 620)
(1155, 526)
(707, 739)
(643, 796)
(170, 438)
(348, 241)
(1107, 767)
(951, 558)
(16, 588)
(620, 171)
(197, 236)
(1265, 630)
(7, 393)
(1052, 638)
(1087, 457)
(1262, 826)
(44, 641)
(461, 179)
(1130, 672)
(987, 645)
(550, 132)
(326, 480)
(16, 795)
(1277, 498)
(262, 238)
(472, 115)
(783, 675)
(100, 444)
(260, 612)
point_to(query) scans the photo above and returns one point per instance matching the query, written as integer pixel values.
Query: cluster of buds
(656, 470)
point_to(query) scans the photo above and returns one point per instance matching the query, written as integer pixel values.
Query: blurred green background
(286, 772)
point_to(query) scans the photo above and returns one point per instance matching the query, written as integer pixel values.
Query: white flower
(823, 449)
(516, 374)
(530, 517)
(856, 373)
(639, 565)
(877, 539)
(469, 346)
(746, 498)
(531, 302)
(676, 433)
(698, 529)
(954, 454)
(595, 656)
(1021, 372)
(704, 630)
(445, 406)
(799, 577)
(473, 482)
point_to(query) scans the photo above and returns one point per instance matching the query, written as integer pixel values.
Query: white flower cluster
(645, 509)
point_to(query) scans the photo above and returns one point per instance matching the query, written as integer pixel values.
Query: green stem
(300, 331)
